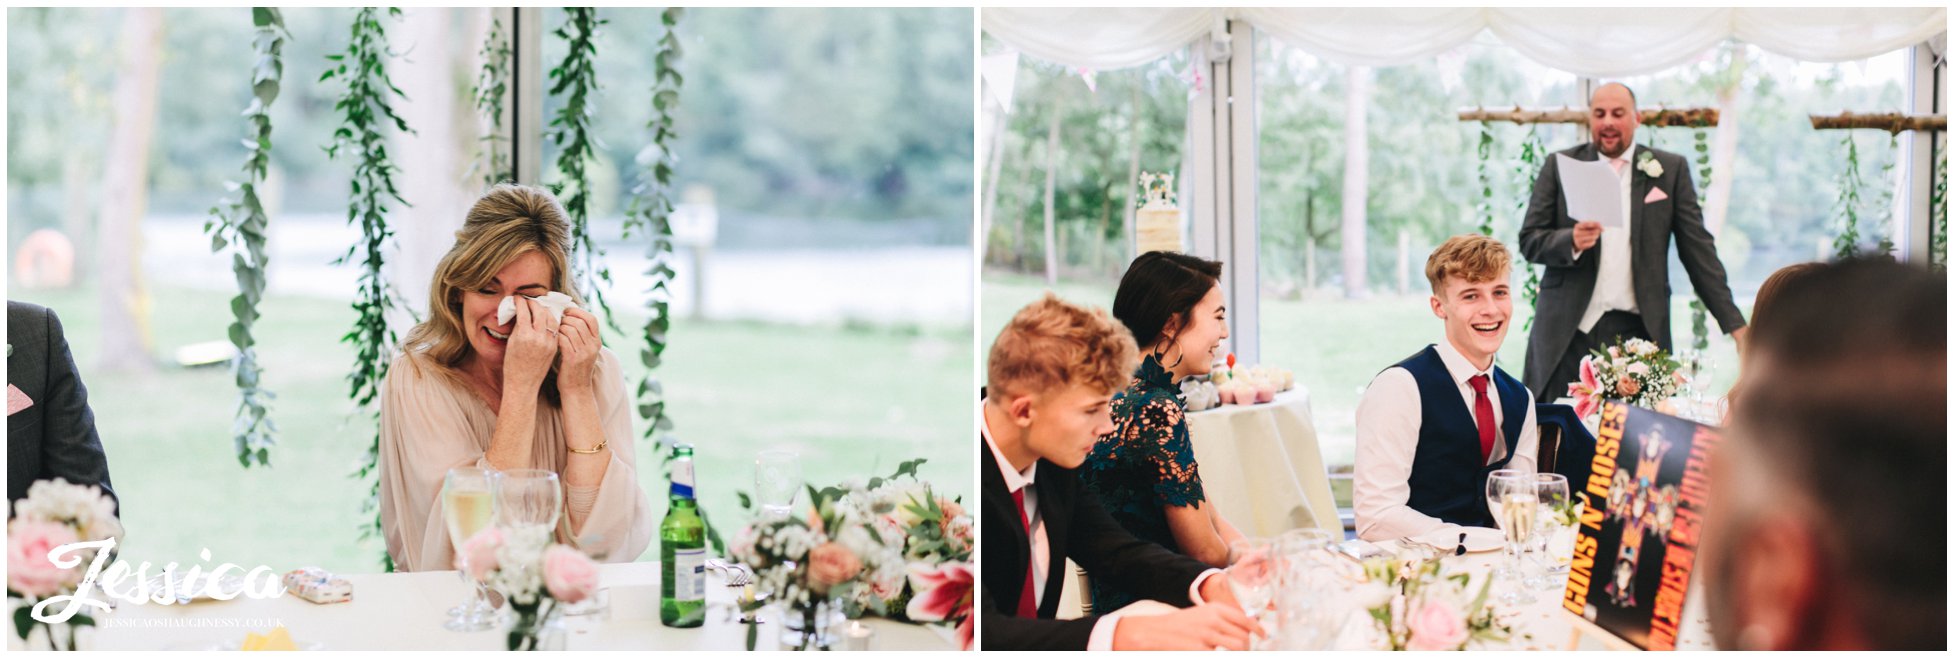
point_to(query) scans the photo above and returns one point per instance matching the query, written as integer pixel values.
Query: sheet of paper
(1592, 191)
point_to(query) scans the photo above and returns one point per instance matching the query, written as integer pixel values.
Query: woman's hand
(578, 339)
(533, 345)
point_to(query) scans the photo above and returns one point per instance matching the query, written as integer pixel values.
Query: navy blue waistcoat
(1448, 477)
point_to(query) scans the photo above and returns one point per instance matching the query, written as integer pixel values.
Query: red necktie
(1482, 411)
(1027, 599)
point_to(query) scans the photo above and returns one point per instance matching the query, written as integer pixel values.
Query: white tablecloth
(1540, 626)
(406, 611)
(1261, 466)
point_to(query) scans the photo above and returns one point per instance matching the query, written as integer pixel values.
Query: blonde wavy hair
(506, 223)
(1471, 258)
(1052, 344)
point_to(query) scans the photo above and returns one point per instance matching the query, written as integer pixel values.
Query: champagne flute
(466, 505)
(1553, 525)
(1515, 501)
(776, 482)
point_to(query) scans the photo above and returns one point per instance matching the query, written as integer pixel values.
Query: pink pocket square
(1655, 194)
(16, 400)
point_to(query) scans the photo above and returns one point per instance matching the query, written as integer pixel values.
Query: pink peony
(478, 553)
(943, 592)
(29, 571)
(829, 565)
(1436, 627)
(569, 574)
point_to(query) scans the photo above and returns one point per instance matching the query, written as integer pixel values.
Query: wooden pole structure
(1661, 117)
(1892, 122)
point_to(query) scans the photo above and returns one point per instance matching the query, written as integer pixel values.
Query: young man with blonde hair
(1052, 374)
(1433, 427)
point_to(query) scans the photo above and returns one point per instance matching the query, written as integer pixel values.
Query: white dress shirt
(1387, 439)
(1041, 547)
(1614, 284)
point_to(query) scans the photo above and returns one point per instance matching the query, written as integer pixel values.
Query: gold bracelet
(592, 451)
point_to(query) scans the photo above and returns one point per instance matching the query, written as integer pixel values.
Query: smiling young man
(1052, 374)
(1431, 428)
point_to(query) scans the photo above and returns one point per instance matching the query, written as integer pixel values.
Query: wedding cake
(1157, 225)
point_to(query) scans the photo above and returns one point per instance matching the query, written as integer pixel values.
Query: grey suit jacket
(54, 438)
(1547, 238)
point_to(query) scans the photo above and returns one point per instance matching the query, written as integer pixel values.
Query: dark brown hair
(1849, 406)
(1158, 286)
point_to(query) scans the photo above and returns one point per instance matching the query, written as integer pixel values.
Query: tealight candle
(859, 636)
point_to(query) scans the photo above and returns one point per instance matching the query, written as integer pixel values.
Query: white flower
(1638, 369)
(1648, 165)
(1641, 347)
(90, 512)
(1614, 352)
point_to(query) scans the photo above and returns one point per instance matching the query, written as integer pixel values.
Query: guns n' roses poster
(1638, 535)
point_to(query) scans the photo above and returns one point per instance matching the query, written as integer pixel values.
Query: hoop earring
(1160, 353)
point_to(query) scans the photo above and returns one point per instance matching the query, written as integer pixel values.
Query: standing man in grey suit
(50, 430)
(1599, 286)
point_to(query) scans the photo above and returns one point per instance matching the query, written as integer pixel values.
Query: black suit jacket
(56, 437)
(1547, 238)
(1076, 527)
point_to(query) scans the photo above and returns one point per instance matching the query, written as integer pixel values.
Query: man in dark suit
(1602, 287)
(1052, 372)
(50, 430)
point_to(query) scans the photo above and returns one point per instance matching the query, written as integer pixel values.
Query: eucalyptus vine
(491, 85)
(1533, 152)
(1703, 169)
(1937, 215)
(241, 223)
(576, 80)
(1485, 178)
(366, 108)
(1885, 205)
(1847, 244)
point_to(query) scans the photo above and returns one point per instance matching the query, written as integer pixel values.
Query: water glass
(776, 482)
(1553, 542)
(528, 503)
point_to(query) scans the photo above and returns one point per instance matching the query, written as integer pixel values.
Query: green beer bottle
(682, 550)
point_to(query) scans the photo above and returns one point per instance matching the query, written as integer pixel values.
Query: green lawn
(1335, 346)
(854, 401)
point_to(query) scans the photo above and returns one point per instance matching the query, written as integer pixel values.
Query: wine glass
(1514, 500)
(1554, 527)
(1252, 574)
(528, 502)
(776, 482)
(466, 507)
(1301, 619)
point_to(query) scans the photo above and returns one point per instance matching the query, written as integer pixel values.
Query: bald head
(1612, 118)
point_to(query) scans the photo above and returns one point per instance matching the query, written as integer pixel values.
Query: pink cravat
(1617, 163)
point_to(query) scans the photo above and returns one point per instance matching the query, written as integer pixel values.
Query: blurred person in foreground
(1827, 523)
(1767, 295)
(534, 392)
(1052, 374)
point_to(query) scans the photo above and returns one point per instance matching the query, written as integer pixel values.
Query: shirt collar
(1458, 366)
(1628, 155)
(1013, 480)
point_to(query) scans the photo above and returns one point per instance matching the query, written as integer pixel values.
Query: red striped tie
(1027, 599)
(1482, 411)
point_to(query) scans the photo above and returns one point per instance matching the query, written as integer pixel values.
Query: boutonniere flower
(1647, 164)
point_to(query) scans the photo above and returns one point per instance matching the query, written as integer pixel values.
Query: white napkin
(555, 301)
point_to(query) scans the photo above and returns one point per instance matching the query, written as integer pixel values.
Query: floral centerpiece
(1419, 608)
(55, 513)
(936, 535)
(536, 576)
(1636, 372)
(811, 566)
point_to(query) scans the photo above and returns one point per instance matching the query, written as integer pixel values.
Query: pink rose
(569, 574)
(1436, 627)
(831, 564)
(478, 553)
(29, 571)
(1628, 387)
(950, 508)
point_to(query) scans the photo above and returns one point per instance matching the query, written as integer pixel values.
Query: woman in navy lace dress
(1144, 471)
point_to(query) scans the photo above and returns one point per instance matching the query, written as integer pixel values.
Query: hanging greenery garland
(366, 108)
(1937, 215)
(1847, 244)
(576, 81)
(241, 223)
(491, 85)
(1533, 152)
(1485, 178)
(1703, 169)
(1886, 184)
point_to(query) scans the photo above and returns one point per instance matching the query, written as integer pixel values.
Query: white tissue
(555, 301)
